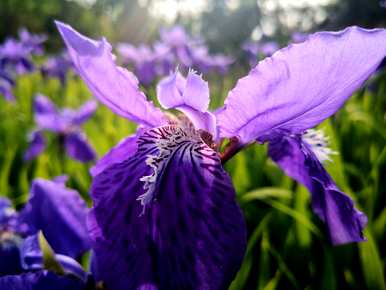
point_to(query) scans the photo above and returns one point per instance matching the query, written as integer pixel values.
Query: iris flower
(164, 212)
(60, 214)
(143, 58)
(57, 67)
(255, 50)
(66, 123)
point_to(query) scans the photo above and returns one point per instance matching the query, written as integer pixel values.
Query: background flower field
(287, 247)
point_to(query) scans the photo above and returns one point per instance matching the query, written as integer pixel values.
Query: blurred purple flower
(297, 37)
(15, 58)
(167, 206)
(57, 67)
(66, 123)
(60, 213)
(32, 42)
(6, 85)
(40, 280)
(143, 58)
(255, 50)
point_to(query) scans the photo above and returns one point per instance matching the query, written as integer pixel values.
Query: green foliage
(287, 248)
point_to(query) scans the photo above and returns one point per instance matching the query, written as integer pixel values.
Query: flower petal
(85, 112)
(190, 96)
(46, 114)
(344, 223)
(123, 150)
(303, 84)
(189, 235)
(42, 280)
(9, 254)
(60, 213)
(174, 91)
(32, 259)
(114, 86)
(78, 148)
(37, 144)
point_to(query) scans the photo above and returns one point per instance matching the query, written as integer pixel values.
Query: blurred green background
(287, 248)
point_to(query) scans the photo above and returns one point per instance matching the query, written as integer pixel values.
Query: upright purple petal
(78, 148)
(60, 213)
(112, 85)
(37, 144)
(190, 96)
(85, 112)
(344, 223)
(303, 84)
(176, 91)
(178, 228)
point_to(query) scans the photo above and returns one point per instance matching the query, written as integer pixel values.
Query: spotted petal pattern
(191, 234)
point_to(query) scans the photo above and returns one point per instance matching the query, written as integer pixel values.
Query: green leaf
(49, 260)
(266, 193)
(372, 266)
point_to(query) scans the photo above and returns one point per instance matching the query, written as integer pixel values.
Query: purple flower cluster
(57, 67)
(164, 213)
(174, 49)
(66, 124)
(57, 213)
(255, 51)
(16, 59)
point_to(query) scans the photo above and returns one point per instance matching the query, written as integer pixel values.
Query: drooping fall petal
(166, 217)
(344, 223)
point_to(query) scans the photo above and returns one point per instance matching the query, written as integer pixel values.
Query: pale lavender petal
(190, 96)
(37, 144)
(60, 213)
(303, 84)
(175, 91)
(344, 223)
(114, 86)
(190, 234)
(123, 150)
(85, 112)
(78, 148)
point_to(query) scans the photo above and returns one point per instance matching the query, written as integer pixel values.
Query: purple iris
(16, 59)
(164, 213)
(57, 67)
(297, 37)
(143, 58)
(254, 50)
(66, 123)
(32, 42)
(6, 85)
(60, 214)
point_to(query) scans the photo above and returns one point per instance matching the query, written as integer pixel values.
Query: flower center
(167, 140)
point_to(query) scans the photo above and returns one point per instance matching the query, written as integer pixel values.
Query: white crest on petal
(319, 144)
(172, 137)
